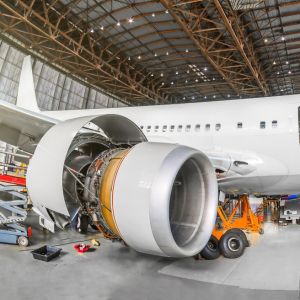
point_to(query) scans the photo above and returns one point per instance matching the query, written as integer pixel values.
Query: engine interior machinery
(158, 198)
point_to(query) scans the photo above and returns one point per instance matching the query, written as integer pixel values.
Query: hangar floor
(268, 270)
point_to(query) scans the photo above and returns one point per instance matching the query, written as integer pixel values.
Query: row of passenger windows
(180, 128)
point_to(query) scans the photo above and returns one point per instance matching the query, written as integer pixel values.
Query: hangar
(149, 149)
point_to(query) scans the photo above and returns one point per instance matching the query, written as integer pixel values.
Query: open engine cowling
(159, 198)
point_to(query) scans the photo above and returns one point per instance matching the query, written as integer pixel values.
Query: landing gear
(211, 250)
(232, 245)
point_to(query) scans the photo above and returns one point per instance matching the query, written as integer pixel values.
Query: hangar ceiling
(166, 51)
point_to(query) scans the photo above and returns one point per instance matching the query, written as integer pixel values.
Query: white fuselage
(254, 143)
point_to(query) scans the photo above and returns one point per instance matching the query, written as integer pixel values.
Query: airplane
(151, 175)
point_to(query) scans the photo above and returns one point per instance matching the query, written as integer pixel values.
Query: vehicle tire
(298, 221)
(261, 231)
(211, 250)
(23, 241)
(232, 245)
(242, 234)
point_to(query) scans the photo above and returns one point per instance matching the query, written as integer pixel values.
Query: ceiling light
(130, 20)
(193, 97)
(176, 73)
(265, 40)
(277, 73)
(290, 72)
(205, 69)
(152, 75)
(172, 82)
(196, 80)
(188, 71)
(118, 24)
(161, 74)
(274, 62)
(153, 15)
(286, 62)
(214, 78)
(155, 54)
(283, 38)
(102, 28)
(186, 50)
(139, 57)
(186, 81)
(162, 83)
(167, 53)
(166, 11)
(205, 97)
(129, 58)
(214, 96)
(92, 30)
(228, 95)
(281, 90)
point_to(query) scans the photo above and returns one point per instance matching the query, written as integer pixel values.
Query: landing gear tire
(211, 250)
(23, 241)
(242, 234)
(232, 245)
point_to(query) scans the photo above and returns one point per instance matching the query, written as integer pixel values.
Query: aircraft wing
(21, 127)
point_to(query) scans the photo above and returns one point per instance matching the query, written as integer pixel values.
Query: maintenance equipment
(289, 211)
(247, 220)
(12, 213)
(228, 237)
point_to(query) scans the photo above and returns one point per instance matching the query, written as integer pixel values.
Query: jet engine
(158, 198)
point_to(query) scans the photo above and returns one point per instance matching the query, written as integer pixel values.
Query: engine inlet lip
(160, 202)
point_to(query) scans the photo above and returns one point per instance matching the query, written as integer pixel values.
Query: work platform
(12, 216)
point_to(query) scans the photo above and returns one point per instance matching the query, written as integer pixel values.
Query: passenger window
(148, 128)
(179, 128)
(142, 127)
(207, 127)
(218, 127)
(262, 125)
(172, 128)
(274, 124)
(239, 125)
(188, 128)
(156, 128)
(197, 127)
(164, 129)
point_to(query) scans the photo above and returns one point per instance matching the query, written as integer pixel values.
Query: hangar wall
(55, 90)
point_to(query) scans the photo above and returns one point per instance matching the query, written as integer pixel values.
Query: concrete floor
(268, 270)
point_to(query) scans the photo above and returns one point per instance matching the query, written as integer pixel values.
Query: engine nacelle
(159, 198)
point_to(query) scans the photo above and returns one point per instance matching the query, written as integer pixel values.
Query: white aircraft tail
(26, 91)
